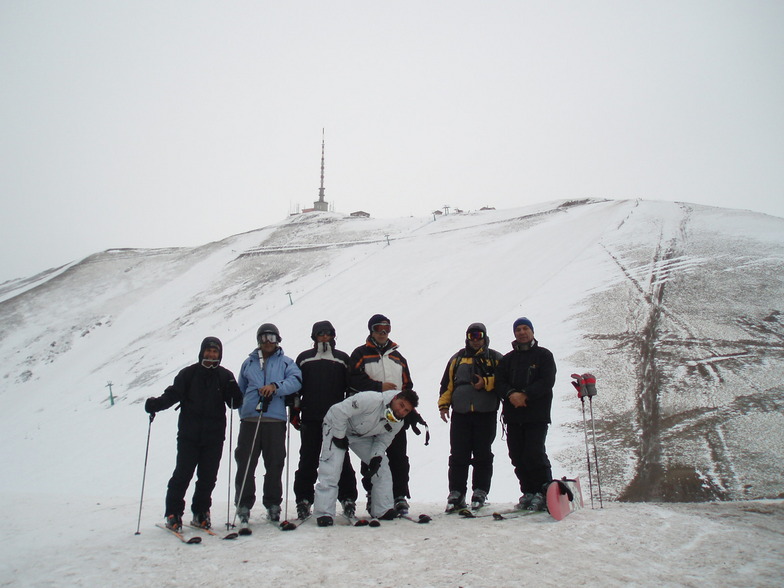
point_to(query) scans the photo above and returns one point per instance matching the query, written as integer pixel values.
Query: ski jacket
(203, 394)
(531, 371)
(364, 415)
(372, 365)
(324, 379)
(457, 383)
(257, 372)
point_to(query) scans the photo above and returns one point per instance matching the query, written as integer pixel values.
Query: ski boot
(174, 522)
(455, 501)
(478, 499)
(401, 505)
(349, 508)
(537, 502)
(303, 509)
(201, 520)
(273, 513)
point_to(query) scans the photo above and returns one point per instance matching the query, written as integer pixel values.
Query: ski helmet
(268, 328)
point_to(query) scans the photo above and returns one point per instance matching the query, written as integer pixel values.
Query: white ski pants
(330, 467)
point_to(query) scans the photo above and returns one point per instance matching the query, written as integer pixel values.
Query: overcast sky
(165, 123)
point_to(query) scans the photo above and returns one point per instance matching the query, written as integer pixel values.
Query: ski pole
(229, 524)
(144, 475)
(589, 390)
(260, 408)
(579, 385)
(288, 438)
(595, 454)
(247, 467)
(587, 452)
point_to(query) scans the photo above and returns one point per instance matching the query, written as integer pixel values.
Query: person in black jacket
(203, 389)
(324, 383)
(468, 388)
(524, 379)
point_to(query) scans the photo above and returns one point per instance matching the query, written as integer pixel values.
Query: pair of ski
(502, 515)
(562, 497)
(286, 525)
(194, 539)
(374, 522)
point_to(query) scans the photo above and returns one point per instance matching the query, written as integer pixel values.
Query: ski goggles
(382, 328)
(390, 415)
(475, 335)
(268, 338)
(325, 333)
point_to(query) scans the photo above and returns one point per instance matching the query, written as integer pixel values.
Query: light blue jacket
(276, 369)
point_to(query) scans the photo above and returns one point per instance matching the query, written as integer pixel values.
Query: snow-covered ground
(52, 540)
(589, 274)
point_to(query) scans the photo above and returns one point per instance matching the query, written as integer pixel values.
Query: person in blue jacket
(266, 378)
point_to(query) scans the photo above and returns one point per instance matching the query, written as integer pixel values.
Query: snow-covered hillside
(675, 307)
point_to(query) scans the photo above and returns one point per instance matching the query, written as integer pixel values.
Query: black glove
(414, 419)
(151, 405)
(340, 442)
(374, 466)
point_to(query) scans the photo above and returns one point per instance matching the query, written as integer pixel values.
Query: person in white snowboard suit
(366, 422)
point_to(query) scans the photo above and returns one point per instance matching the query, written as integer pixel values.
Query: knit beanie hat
(523, 321)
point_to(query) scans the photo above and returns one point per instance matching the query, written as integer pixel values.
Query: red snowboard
(563, 497)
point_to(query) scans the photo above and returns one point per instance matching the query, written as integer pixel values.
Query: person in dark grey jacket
(468, 388)
(525, 380)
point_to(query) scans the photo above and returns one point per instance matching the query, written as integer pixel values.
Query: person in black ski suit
(378, 366)
(468, 388)
(204, 390)
(324, 383)
(524, 379)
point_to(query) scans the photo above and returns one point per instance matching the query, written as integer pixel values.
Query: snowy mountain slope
(674, 307)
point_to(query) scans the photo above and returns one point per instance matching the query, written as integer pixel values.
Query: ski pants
(529, 457)
(397, 452)
(471, 437)
(200, 454)
(270, 443)
(330, 466)
(306, 475)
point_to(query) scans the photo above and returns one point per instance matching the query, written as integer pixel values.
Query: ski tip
(362, 523)
(466, 512)
(245, 531)
(193, 540)
(374, 523)
(497, 516)
(423, 518)
(231, 536)
(287, 526)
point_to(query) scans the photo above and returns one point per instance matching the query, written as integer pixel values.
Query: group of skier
(364, 402)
